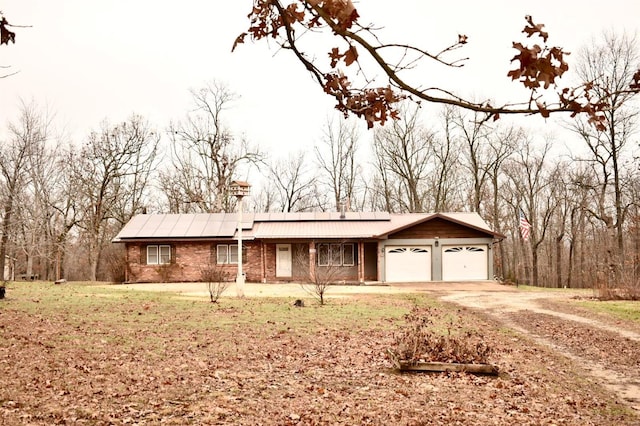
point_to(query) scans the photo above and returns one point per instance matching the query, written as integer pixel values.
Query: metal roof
(321, 216)
(200, 225)
(283, 225)
(320, 229)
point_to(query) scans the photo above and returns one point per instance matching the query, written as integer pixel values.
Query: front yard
(87, 354)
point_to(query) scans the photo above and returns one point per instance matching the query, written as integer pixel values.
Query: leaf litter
(163, 365)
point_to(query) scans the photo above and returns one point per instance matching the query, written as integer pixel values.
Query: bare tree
(36, 240)
(503, 144)
(109, 168)
(563, 199)
(403, 149)
(446, 181)
(336, 157)
(65, 206)
(294, 184)
(474, 136)
(529, 180)
(28, 133)
(381, 187)
(206, 155)
(612, 63)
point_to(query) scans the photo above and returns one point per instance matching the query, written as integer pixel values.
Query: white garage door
(408, 264)
(463, 263)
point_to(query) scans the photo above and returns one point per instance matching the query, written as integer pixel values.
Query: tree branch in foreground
(537, 66)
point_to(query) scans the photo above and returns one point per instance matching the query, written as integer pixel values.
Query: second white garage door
(408, 264)
(463, 263)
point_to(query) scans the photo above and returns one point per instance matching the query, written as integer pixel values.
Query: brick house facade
(299, 247)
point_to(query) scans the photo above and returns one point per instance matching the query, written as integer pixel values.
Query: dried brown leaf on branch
(6, 35)
(538, 67)
(349, 56)
(532, 29)
(374, 105)
(636, 81)
(342, 11)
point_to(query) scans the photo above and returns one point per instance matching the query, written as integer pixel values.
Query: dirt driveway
(608, 351)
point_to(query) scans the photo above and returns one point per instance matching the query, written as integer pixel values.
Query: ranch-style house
(293, 247)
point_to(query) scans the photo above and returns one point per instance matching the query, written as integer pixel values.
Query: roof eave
(160, 239)
(445, 217)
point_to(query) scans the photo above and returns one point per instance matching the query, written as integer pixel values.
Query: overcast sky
(90, 60)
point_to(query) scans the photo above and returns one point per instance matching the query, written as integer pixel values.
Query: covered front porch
(309, 261)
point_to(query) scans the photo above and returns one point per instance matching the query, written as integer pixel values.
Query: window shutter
(173, 253)
(143, 255)
(212, 255)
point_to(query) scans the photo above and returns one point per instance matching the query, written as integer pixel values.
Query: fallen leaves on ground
(125, 364)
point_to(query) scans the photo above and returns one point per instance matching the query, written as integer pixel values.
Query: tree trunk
(572, 247)
(559, 239)
(4, 240)
(534, 266)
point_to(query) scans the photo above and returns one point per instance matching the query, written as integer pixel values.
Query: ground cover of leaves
(82, 355)
(620, 353)
(575, 306)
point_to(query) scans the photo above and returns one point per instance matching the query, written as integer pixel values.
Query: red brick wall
(190, 259)
(300, 265)
(270, 262)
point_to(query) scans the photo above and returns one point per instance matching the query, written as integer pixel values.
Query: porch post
(263, 261)
(312, 260)
(360, 261)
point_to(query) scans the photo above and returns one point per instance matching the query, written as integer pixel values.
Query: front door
(283, 260)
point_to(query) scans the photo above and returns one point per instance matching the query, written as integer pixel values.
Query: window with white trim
(158, 254)
(336, 254)
(227, 254)
(323, 254)
(348, 255)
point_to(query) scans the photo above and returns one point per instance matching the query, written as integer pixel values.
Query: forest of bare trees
(62, 201)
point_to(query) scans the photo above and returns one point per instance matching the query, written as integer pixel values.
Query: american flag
(525, 226)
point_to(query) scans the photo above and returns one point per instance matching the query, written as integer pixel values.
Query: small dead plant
(429, 336)
(319, 280)
(165, 270)
(217, 281)
(618, 282)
